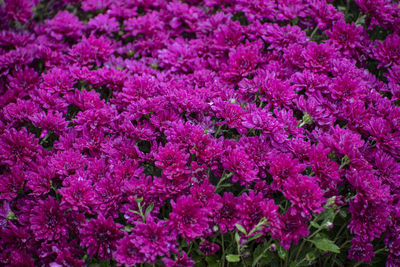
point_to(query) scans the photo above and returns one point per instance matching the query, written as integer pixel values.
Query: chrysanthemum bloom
(181, 261)
(238, 162)
(304, 193)
(40, 178)
(92, 50)
(391, 238)
(388, 51)
(227, 215)
(172, 160)
(64, 24)
(242, 62)
(153, 238)
(48, 221)
(252, 208)
(294, 227)
(18, 147)
(127, 252)
(283, 166)
(104, 23)
(4, 213)
(189, 217)
(317, 57)
(78, 195)
(12, 182)
(19, 10)
(208, 248)
(371, 207)
(361, 251)
(100, 236)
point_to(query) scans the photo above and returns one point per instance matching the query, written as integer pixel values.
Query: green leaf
(255, 236)
(262, 256)
(241, 228)
(136, 212)
(11, 216)
(325, 244)
(315, 225)
(232, 258)
(237, 237)
(330, 202)
(282, 253)
(149, 209)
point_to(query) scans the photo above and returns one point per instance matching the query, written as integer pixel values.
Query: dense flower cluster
(136, 130)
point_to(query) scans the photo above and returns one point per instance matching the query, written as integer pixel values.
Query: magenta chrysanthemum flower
(189, 217)
(181, 261)
(100, 237)
(252, 208)
(208, 248)
(294, 228)
(153, 238)
(361, 251)
(79, 195)
(227, 215)
(19, 10)
(48, 221)
(127, 252)
(304, 193)
(18, 147)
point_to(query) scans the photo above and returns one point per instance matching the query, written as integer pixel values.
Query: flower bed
(199, 132)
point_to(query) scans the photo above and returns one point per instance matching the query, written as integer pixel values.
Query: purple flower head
(64, 24)
(361, 251)
(127, 253)
(182, 260)
(290, 9)
(347, 88)
(78, 195)
(283, 166)
(205, 194)
(5, 212)
(19, 10)
(371, 207)
(92, 50)
(208, 248)
(252, 208)
(275, 91)
(12, 182)
(242, 62)
(318, 57)
(294, 227)
(238, 162)
(153, 238)
(58, 80)
(257, 9)
(304, 194)
(100, 236)
(40, 178)
(18, 147)
(227, 215)
(48, 221)
(281, 37)
(104, 23)
(189, 217)
(172, 160)
(388, 52)
(228, 35)
(93, 5)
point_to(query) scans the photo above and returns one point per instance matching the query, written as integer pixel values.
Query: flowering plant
(199, 133)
